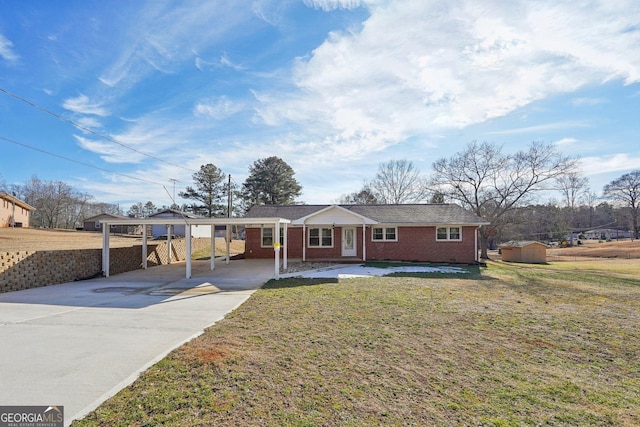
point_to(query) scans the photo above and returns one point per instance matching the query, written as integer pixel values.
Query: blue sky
(334, 87)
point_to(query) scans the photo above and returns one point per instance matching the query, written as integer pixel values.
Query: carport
(188, 223)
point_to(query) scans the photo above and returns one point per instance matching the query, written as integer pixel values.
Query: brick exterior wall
(253, 240)
(414, 244)
(31, 269)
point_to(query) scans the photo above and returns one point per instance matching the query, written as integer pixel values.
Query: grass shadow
(459, 276)
(294, 282)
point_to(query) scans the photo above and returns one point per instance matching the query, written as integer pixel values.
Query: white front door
(349, 247)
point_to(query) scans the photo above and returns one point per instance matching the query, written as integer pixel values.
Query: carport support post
(169, 243)
(276, 248)
(213, 246)
(304, 242)
(227, 232)
(284, 249)
(188, 243)
(105, 249)
(144, 246)
(364, 242)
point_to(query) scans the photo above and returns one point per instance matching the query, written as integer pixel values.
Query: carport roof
(189, 222)
(194, 221)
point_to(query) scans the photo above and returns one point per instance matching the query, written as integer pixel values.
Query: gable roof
(337, 214)
(105, 215)
(175, 214)
(520, 243)
(17, 201)
(424, 214)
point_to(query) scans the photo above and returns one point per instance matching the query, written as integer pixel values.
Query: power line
(84, 128)
(99, 135)
(77, 161)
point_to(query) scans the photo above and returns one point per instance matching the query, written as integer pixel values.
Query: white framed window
(96, 224)
(321, 237)
(449, 233)
(267, 237)
(384, 234)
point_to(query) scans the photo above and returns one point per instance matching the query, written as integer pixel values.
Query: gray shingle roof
(175, 213)
(105, 215)
(432, 214)
(520, 243)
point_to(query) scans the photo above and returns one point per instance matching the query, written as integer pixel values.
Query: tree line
(503, 188)
(58, 205)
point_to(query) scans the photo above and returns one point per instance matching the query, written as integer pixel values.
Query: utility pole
(173, 199)
(229, 198)
(229, 233)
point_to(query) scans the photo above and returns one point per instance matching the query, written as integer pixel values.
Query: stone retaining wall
(32, 269)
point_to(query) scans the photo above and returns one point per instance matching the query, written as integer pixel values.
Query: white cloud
(162, 37)
(609, 163)
(448, 65)
(540, 128)
(82, 105)
(579, 102)
(329, 5)
(110, 152)
(219, 108)
(224, 60)
(412, 71)
(566, 141)
(89, 122)
(6, 50)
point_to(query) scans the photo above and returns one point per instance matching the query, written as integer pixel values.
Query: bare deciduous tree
(397, 182)
(491, 184)
(572, 186)
(626, 189)
(58, 205)
(363, 197)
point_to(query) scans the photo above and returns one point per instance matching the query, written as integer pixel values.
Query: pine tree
(270, 182)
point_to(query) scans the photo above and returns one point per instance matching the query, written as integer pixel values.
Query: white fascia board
(428, 224)
(195, 221)
(361, 218)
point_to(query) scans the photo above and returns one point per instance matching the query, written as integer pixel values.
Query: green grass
(509, 345)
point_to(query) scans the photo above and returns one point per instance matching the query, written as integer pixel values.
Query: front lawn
(509, 345)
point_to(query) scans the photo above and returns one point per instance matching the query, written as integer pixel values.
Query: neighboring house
(530, 252)
(426, 232)
(158, 230)
(607, 233)
(14, 212)
(93, 223)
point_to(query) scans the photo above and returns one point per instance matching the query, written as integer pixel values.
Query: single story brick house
(443, 233)
(14, 212)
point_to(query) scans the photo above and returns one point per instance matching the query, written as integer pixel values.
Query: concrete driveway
(77, 344)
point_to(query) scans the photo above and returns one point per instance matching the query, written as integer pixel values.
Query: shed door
(349, 241)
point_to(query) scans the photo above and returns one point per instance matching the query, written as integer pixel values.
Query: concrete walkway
(77, 344)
